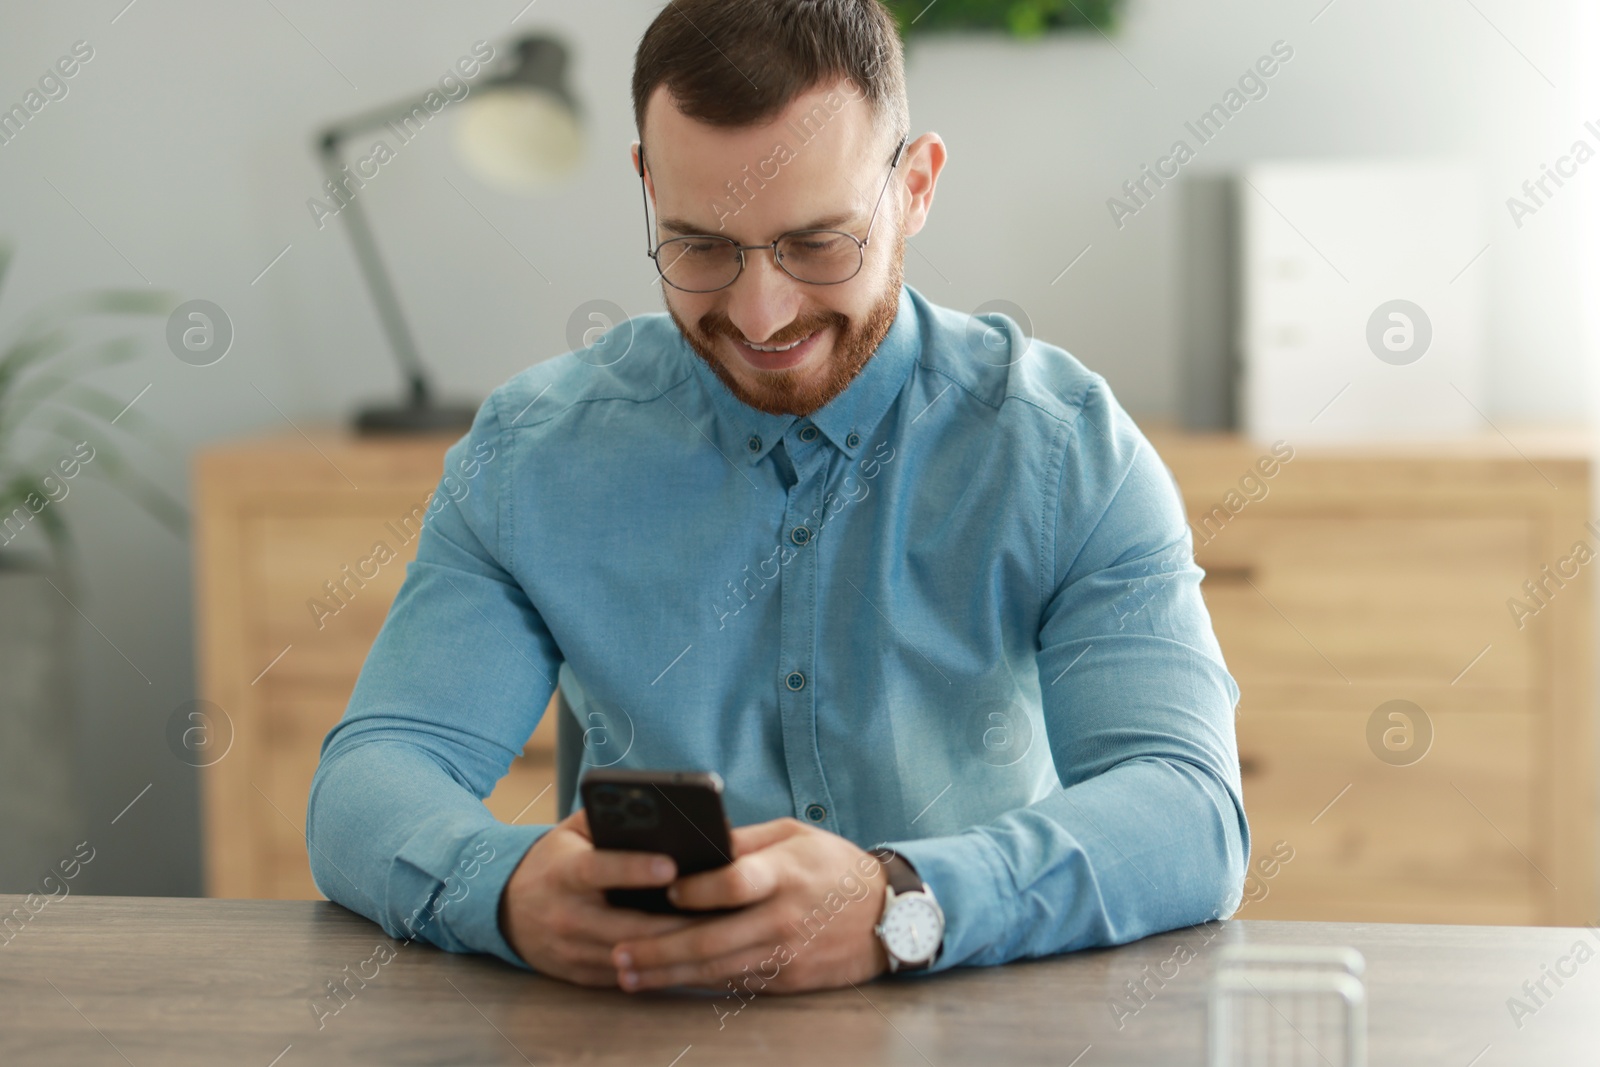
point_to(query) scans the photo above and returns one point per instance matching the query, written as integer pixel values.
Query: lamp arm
(377, 279)
(370, 120)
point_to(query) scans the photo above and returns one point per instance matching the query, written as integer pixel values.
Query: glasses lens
(822, 257)
(698, 264)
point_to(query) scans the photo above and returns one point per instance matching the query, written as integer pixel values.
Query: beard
(784, 392)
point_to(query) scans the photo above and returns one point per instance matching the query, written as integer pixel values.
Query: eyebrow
(827, 222)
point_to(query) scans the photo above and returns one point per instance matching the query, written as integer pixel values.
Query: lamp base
(424, 418)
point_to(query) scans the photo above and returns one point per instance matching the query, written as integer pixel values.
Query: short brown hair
(741, 62)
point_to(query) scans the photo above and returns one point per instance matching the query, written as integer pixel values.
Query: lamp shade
(521, 132)
(519, 139)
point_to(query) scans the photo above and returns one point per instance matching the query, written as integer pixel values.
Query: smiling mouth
(780, 348)
(776, 347)
(773, 358)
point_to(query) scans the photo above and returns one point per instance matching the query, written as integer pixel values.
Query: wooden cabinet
(1352, 579)
(1342, 582)
(276, 519)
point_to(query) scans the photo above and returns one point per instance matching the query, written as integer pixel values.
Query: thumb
(757, 836)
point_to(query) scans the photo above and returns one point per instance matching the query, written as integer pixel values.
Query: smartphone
(677, 813)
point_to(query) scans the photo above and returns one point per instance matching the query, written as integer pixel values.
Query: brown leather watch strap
(903, 878)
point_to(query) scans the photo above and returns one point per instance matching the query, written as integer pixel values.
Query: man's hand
(554, 913)
(811, 900)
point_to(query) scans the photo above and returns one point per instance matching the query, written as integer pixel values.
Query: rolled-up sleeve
(1146, 829)
(453, 687)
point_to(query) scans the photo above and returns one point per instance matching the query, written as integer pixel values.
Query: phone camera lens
(639, 809)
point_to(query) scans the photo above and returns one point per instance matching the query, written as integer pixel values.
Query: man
(909, 581)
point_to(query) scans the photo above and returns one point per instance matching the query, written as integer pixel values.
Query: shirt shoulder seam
(597, 399)
(953, 380)
(1069, 419)
(1066, 426)
(1111, 497)
(503, 546)
(1047, 553)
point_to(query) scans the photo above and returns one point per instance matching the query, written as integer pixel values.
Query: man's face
(826, 175)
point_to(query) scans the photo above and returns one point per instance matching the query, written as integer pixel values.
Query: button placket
(798, 586)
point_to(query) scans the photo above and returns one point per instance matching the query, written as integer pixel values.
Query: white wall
(185, 143)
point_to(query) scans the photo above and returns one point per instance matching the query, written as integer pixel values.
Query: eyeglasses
(704, 263)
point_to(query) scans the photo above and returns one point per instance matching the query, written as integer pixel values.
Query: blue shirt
(955, 611)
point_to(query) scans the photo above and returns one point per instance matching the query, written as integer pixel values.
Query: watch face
(913, 928)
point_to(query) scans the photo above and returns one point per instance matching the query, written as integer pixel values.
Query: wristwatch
(912, 926)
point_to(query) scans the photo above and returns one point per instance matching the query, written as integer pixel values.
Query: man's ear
(636, 158)
(924, 159)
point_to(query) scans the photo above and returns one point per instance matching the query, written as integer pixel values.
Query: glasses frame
(653, 250)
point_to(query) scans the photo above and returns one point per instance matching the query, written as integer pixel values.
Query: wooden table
(143, 981)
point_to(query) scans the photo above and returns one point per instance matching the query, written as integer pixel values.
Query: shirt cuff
(474, 919)
(966, 874)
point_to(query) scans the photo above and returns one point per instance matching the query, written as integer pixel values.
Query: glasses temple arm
(893, 163)
(649, 244)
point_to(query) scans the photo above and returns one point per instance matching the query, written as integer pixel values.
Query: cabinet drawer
(1350, 599)
(1371, 838)
(292, 557)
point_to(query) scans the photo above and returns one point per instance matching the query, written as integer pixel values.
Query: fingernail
(672, 893)
(661, 869)
(624, 960)
(629, 980)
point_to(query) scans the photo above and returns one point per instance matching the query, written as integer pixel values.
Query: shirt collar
(848, 420)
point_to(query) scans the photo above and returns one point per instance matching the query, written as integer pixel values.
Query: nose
(763, 299)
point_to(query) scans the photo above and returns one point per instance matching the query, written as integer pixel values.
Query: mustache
(718, 324)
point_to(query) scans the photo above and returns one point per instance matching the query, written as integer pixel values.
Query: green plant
(46, 406)
(1023, 18)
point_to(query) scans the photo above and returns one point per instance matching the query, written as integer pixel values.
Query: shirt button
(754, 443)
(816, 812)
(799, 535)
(796, 681)
(853, 440)
(808, 434)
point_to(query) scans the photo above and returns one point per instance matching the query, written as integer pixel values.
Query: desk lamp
(519, 132)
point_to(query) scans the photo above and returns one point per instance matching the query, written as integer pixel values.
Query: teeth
(779, 348)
